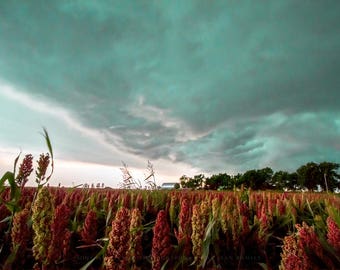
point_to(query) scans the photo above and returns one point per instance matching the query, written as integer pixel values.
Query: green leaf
(15, 192)
(87, 246)
(148, 226)
(15, 163)
(100, 253)
(328, 248)
(48, 142)
(108, 217)
(11, 258)
(164, 265)
(207, 242)
(334, 213)
(263, 265)
(6, 219)
(89, 262)
(310, 208)
(49, 146)
(5, 177)
(12, 206)
(208, 230)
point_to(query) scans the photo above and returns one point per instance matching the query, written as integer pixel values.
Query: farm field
(60, 228)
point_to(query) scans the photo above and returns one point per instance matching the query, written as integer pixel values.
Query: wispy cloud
(163, 117)
(41, 105)
(83, 167)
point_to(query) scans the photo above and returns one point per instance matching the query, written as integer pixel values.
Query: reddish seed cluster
(136, 234)
(184, 228)
(43, 162)
(126, 200)
(42, 215)
(161, 244)
(172, 209)
(333, 234)
(200, 219)
(72, 200)
(59, 231)
(140, 202)
(59, 196)
(20, 234)
(234, 224)
(116, 255)
(309, 243)
(89, 231)
(225, 226)
(292, 256)
(307, 238)
(25, 170)
(280, 206)
(66, 247)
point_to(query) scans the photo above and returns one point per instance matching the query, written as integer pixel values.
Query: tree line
(322, 176)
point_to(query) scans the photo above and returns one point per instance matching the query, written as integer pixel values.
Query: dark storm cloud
(217, 85)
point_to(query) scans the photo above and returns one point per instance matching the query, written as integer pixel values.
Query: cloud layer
(219, 86)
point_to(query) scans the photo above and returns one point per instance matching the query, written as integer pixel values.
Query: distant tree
(264, 178)
(284, 180)
(195, 182)
(309, 176)
(324, 175)
(292, 181)
(279, 180)
(177, 186)
(330, 175)
(185, 181)
(237, 180)
(216, 181)
(257, 179)
(199, 180)
(248, 179)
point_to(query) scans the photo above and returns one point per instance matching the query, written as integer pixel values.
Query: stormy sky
(193, 86)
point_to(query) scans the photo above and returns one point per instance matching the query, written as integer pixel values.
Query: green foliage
(257, 179)
(331, 177)
(195, 182)
(284, 180)
(236, 228)
(324, 175)
(16, 184)
(99, 255)
(50, 150)
(15, 194)
(12, 204)
(219, 180)
(311, 176)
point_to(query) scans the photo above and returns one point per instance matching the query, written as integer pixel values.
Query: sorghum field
(81, 228)
(60, 228)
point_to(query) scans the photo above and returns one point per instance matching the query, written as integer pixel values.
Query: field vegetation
(82, 228)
